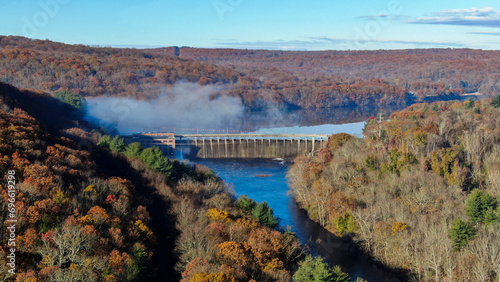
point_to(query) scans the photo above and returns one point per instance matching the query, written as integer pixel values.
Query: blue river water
(265, 180)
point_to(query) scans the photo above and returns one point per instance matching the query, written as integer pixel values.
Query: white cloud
(487, 17)
(484, 32)
(384, 16)
(332, 43)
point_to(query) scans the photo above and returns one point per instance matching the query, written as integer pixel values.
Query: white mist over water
(185, 105)
(355, 129)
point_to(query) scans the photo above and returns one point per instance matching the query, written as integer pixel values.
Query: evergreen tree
(151, 156)
(461, 233)
(245, 204)
(138, 265)
(314, 269)
(179, 170)
(104, 141)
(481, 207)
(117, 144)
(134, 150)
(164, 166)
(491, 216)
(496, 102)
(173, 169)
(71, 98)
(265, 215)
(339, 275)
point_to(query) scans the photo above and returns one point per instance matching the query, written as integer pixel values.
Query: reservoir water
(265, 180)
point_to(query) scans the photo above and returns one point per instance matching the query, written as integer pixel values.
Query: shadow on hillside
(344, 252)
(46, 109)
(160, 209)
(55, 116)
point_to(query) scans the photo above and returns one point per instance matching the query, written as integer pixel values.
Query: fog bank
(185, 105)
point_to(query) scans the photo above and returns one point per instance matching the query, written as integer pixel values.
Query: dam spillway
(216, 146)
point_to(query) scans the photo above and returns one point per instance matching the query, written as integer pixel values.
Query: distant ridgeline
(261, 79)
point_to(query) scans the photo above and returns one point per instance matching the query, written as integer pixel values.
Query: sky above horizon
(258, 24)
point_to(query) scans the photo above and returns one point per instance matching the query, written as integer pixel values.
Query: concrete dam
(215, 146)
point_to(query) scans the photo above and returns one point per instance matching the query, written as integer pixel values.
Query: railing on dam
(248, 145)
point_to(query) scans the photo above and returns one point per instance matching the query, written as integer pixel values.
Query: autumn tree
(66, 245)
(400, 196)
(469, 104)
(338, 140)
(80, 222)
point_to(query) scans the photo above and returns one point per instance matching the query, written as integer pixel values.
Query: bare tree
(66, 246)
(486, 252)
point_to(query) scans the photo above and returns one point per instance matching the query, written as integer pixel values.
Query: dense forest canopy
(89, 207)
(144, 74)
(421, 71)
(421, 192)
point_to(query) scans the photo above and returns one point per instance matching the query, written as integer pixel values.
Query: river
(265, 180)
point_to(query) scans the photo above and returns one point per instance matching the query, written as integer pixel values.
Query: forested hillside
(75, 209)
(143, 74)
(421, 192)
(421, 71)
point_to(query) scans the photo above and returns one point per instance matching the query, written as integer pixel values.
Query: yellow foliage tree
(218, 215)
(398, 227)
(212, 277)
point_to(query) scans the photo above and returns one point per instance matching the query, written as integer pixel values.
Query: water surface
(265, 180)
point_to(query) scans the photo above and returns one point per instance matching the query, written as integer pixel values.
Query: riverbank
(242, 176)
(328, 244)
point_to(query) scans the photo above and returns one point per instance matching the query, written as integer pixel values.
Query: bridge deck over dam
(248, 145)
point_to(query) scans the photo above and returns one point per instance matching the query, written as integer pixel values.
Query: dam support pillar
(273, 148)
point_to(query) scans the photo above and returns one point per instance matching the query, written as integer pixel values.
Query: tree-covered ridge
(108, 211)
(72, 223)
(144, 74)
(420, 192)
(220, 239)
(421, 71)
(94, 71)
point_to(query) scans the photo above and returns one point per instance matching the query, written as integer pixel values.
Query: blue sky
(258, 24)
